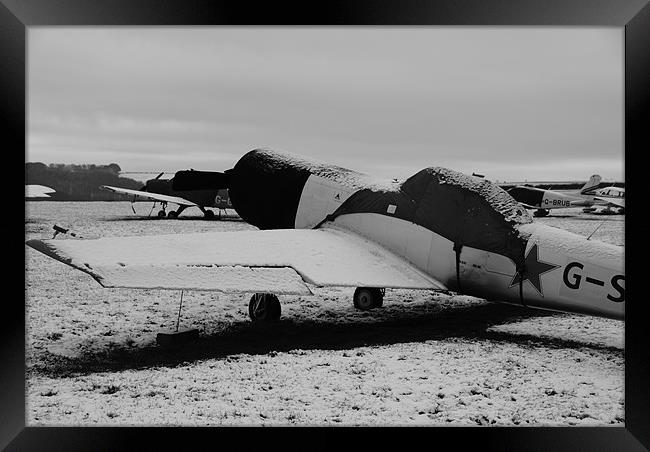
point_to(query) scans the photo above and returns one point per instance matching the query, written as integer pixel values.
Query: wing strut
(597, 227)
(178, 320)
(178, 336)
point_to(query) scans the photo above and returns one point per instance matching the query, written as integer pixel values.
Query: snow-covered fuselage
(465, 232)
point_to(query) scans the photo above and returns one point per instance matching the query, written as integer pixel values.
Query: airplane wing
(616, 202)
(37, 191)
(277, 261)
(152, 196)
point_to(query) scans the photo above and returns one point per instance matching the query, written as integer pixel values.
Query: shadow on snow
(137, 217)
(245, 337)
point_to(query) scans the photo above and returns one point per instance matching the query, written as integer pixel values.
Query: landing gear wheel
(172, 214)
(264, 307)
(366, 298)
(162, 214)
(209, 214)
(540, 213)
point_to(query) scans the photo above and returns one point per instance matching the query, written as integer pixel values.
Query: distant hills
(79, 182)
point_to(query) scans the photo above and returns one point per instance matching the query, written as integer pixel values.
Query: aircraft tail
(591, 184)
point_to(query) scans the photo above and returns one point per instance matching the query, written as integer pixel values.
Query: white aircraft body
(38, 191)
(437, 230)
(611, 195)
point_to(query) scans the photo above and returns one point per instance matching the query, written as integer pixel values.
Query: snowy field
(425, 358)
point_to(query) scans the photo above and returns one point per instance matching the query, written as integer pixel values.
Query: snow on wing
(278, 261)
(152, 196)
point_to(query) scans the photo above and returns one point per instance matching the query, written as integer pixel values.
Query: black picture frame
(634, 15)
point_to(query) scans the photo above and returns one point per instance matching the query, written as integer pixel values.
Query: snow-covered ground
(425, 358)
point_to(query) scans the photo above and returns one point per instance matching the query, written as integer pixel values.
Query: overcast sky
(543, 103)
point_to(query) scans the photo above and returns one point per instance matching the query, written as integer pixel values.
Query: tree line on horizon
(79, 182)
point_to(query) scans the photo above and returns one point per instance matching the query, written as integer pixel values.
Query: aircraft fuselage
(203, 197)
(467, 233)
(547, 199)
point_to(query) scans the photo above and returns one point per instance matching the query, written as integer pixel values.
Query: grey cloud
(341, 94)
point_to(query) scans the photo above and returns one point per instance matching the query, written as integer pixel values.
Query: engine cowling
(265, 188)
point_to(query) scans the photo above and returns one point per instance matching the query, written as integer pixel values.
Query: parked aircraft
(38, 191)
(546, 199)
(163, 191)
(590, 196)
(613, 197)
(609, 195)
(437, 230)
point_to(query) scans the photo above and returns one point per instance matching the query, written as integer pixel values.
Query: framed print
(455, 106)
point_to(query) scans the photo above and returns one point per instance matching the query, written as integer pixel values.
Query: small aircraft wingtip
(49, 250)
(34, 243)
(43, 247)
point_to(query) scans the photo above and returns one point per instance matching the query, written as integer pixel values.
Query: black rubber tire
(209, 214)
(541, 213)
(366, 298)
(162, 214)
(172, 214)
(264, 307)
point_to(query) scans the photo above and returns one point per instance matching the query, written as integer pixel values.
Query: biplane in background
(162, 191)
(437, 230)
